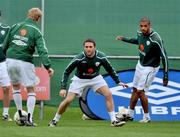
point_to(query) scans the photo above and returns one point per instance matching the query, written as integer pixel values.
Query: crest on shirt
(148, 42)
(23, 32)
(2, 32)
(141, 47)
(90, 70)
(97, 63)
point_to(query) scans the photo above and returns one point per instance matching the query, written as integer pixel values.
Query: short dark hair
(90, 40)
(145, 19)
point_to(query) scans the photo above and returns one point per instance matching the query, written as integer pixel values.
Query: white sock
(31, 100)
(5, 111)
(57, 117)
(17, 99)
(146, 115)
(112, 116)
(131, 112)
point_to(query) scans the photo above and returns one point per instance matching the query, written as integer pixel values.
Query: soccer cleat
(145, 120)
(118, 123)
(6, 118)
(129, 118)
(52, 123)
(30, 124)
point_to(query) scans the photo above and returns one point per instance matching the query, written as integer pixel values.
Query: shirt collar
(29, 20)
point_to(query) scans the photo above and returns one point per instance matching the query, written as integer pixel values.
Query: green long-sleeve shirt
(151, 48)
(3, 38)
(88, 68)
(24, 38)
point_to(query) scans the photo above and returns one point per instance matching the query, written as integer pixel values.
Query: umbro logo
(158, 94)
(163, 101)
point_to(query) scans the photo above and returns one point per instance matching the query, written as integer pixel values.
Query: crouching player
(87, 66)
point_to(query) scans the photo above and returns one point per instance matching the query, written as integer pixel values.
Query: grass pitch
(71, 125)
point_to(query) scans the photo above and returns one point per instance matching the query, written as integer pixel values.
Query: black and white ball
(122, 114)
(17, 117)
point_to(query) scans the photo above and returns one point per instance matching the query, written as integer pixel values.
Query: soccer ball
(17, 118)
(122, 114)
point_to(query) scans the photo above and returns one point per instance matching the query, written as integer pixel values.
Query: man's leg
(66, 102)
(145, 82)
(6, 86)
(17, 98)
(18, 101)
(31, 101)
(133, 102)
(144, 103)
(62, 108)
(110, 105)
(6, 103)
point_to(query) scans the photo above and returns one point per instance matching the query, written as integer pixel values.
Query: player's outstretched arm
(128, 40)
(119, 37)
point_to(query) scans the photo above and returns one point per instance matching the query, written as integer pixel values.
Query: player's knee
(16, 86)
(68, 100)
(30, 89)
(108, 95)
(142, 94)
(7, 89)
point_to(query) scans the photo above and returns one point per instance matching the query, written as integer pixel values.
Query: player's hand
(50, 72)
(165, 79)
(123, 85)
(119, 37)
(62, 93)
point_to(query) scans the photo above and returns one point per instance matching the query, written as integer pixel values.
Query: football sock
(131, 113)
(5, 111)
(57, 117)
(146, 115)
(17, 99)
(112, 116)
(31, 100)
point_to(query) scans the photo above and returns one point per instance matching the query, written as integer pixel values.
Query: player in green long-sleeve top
(24, 38)
(151, 50)
(4, 77)
(87, 65)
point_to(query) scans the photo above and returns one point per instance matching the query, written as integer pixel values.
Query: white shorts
(4, 77)
(21, 72)
(144, 77)
(79, 85)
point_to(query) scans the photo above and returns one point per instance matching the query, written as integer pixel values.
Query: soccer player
(87, 65)
(4, 78)
(24, 38)
(151, 49)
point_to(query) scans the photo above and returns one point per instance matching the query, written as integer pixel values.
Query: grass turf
(71, 125)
